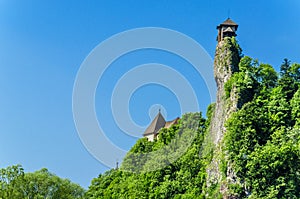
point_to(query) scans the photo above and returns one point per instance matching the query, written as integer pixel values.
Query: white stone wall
(150, 137)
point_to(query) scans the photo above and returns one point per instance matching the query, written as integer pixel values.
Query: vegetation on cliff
(183, 178)
(260, 145)
(263, 137)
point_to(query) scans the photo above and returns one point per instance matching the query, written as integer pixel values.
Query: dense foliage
(15, 184)
(263, 137)
(183, 178)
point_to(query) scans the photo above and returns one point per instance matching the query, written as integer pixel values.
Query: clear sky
(43, 43)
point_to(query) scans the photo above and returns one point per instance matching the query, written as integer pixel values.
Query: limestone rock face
(225, 64)
(226, 61)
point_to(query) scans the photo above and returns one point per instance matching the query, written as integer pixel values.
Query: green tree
(295, 105)
(289, 80)
(285, 67)
(295, 72)
(273, 169)
(244, 82)
(267, 76)
(41, 184)
(11, 182)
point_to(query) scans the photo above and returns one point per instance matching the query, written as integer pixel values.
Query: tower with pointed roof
(226, 63)
(227, 29)
(157, 123)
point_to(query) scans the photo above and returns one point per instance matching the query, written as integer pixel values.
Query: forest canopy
(16, 184)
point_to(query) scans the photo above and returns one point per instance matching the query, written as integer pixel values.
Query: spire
(117, 164)
(157, 123)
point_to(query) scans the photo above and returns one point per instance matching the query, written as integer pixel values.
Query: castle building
(227, 29)
(158, 123)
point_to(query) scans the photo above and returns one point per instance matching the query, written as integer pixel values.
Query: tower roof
(157, 123)
(228, 22)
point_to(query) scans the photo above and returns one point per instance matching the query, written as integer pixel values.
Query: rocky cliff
(226, 62)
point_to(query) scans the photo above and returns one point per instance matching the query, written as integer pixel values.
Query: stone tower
(227, 29)
(227, 57)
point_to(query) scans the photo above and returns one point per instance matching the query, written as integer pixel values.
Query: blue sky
(43, 43)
